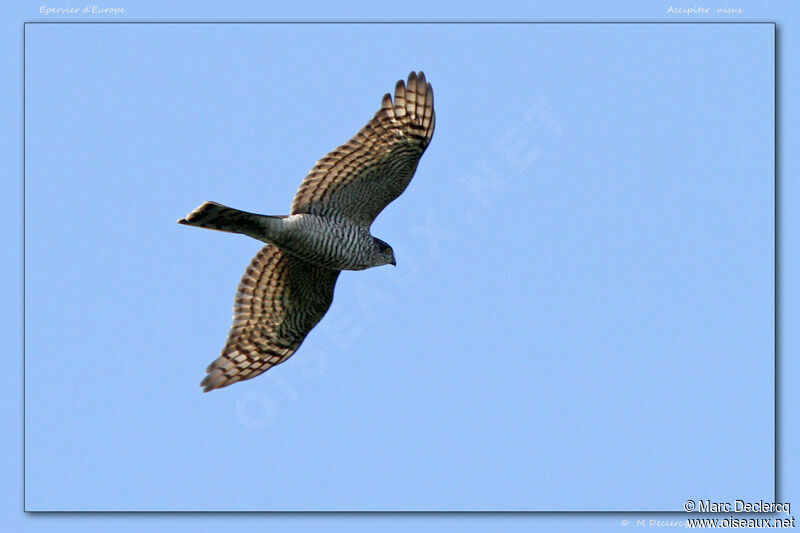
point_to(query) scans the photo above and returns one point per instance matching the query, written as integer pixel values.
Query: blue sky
(581, 317)
(585, 266)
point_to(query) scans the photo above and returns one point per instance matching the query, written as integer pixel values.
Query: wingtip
(216, 378)
(207, 387)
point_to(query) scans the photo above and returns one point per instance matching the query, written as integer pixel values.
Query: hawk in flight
(289, 284)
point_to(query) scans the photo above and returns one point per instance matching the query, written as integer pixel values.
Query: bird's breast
(328, 242)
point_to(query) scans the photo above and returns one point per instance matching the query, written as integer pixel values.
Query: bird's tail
(218, 217)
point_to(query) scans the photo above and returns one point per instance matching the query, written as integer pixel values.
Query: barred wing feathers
(279, 300)
(361, 177)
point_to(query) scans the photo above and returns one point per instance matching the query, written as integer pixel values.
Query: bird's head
(384, 255)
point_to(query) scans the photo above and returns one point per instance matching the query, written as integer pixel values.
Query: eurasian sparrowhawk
(288, 286)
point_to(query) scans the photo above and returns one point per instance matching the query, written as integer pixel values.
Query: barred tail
(218, 217)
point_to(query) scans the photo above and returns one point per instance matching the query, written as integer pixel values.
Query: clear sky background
(584, 280)
(581, 316)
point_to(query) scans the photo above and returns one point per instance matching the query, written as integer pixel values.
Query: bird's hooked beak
(393, 262)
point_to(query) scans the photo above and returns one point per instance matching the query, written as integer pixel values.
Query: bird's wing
(361, 177)
(279, 300)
